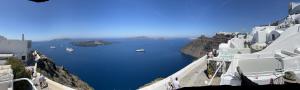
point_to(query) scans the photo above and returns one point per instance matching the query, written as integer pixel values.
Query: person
(207, 56)
(42, 81)
(215, 54)
(34, 81)
(176, 83)
(211, 54)
(170, 86)
(271, 81)
(32, 72)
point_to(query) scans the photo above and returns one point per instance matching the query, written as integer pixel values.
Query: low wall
(57, 86)
(52, 85)
(162, 84)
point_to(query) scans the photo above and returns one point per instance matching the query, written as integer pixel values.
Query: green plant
(19, 72)
(210, 68)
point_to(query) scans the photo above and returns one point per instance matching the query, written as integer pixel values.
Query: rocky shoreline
(61, 75)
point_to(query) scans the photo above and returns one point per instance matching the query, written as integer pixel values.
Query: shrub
(19, 72)
(210, 68)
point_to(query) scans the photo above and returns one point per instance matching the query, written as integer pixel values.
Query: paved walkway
(197, 77)
(51, 84)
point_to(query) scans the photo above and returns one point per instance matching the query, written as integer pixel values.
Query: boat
(140, 50)
(52, 47)
(69, 49)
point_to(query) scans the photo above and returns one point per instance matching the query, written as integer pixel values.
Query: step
(297, 50)
(289, 53)
(5, 71)
(280, 55)
(5, 67)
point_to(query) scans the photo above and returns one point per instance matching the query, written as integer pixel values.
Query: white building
(19, 48)
(261, 33)
(280, 54)
(294, 8)
(279, 57)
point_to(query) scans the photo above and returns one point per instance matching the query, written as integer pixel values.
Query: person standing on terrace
(176, 83)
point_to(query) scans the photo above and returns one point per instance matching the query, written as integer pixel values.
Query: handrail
(26, 79)
(216, 73)
(277, 80)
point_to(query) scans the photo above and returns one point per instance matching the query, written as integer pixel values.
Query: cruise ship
(69, 49)
(140, 50)
(268, 55)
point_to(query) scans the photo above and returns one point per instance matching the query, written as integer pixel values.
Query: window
(23, 57)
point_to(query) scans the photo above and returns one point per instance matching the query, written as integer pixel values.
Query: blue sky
(128, 18)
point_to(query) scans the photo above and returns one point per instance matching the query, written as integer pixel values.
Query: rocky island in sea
(147, 37)
(90, 43)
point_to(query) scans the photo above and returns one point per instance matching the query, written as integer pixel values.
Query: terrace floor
(197, 77)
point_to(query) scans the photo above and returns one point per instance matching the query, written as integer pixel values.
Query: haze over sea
(118, 66)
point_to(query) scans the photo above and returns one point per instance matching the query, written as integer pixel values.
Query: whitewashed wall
(17, 47)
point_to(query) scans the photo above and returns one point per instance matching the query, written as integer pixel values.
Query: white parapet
(6, 55)
(57, 86)
(52, 85)
(5, 67)
(162, 84)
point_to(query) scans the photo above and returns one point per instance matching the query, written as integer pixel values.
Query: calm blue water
(118, 66)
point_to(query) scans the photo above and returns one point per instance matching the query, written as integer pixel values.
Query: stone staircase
(285, 53)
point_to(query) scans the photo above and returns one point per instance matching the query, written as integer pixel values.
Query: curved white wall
(288, 40)
(162, 84)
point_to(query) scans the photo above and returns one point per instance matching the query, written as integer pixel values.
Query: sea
(118, 66)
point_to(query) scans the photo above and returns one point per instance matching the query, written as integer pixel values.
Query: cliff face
(60, 75)
(200, 46)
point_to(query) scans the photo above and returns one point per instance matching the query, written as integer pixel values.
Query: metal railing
(278, 80)
(26, 79)
(210, 81)
(21, 79)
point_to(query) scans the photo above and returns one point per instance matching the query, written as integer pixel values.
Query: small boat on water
(52, 47)
(69, 49)
(140, 50)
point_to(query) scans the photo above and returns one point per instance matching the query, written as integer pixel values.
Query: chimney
(23, 37)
